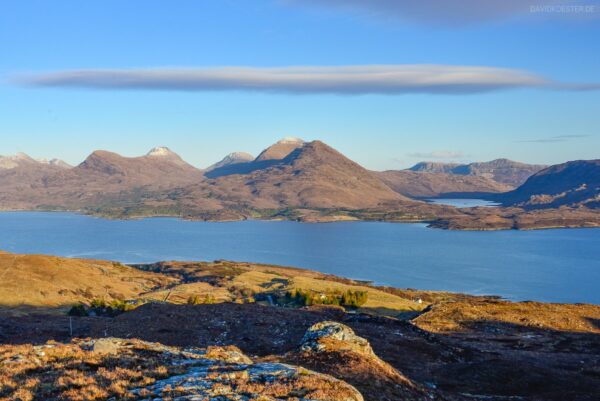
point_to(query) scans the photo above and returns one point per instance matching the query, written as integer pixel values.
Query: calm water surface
(460, 203)
(548, 265)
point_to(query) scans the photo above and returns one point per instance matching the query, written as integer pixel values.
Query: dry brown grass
(378, 302)
(464, 315)
(179, 294)
(50, 281)
(70, 372)
(37, 281)
(67, 372)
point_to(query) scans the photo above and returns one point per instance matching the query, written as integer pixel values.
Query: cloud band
(368, 79)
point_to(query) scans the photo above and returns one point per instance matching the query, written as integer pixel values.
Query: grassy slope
(53, 282)
(49, 281)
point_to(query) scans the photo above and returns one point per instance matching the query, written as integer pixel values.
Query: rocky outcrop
(333, 348)
(321, 336)
(225, 373)
(140, 370)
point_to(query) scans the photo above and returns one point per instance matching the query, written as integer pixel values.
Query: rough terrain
(423, 345)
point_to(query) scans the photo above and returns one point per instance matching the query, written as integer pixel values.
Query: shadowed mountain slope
(280, 149)
(575, 183)
(271, 156)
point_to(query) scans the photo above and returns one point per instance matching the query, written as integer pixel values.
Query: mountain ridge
(574, 183)
(313, 182)
(419, 185)
(504, 171)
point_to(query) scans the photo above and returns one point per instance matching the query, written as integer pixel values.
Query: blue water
(460, 203)
(549, 265)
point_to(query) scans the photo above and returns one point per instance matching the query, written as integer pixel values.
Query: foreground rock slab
(119, 369)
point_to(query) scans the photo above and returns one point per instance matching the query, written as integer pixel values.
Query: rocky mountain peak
(161, 151)
(291, 140)
(55, 162)
(319, 337)
(239, 155)
(280, 149)
(12, 161)
(232, 159)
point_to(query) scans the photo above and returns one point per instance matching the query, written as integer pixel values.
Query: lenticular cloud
(369, 79)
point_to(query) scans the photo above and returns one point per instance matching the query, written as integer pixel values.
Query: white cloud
(360, 79)
(438, 154)
(554, 139)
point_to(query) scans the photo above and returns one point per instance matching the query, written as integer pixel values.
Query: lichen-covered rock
(318, 339)
(239, 382)
(107, 346)
(129, 369)
(225, 374)
(333, 348)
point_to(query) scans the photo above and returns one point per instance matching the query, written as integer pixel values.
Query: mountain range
(500, 170)
(289, 179)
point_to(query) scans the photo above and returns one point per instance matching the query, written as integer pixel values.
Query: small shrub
(349, 298)
(194, 300)
(115, 307)
(354, 299)
(208, 299)
(78, 310)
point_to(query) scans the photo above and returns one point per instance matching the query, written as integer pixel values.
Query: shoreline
(460, 222)
(353, 280)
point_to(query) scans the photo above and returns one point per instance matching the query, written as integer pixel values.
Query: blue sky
(547, 124)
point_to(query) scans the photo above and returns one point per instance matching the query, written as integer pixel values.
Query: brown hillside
(50, 281)
(101, 178)
(423, 185)
(312, 176)
(575, 183)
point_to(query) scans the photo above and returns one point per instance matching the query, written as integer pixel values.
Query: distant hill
(313, 175)
(158, 168)
(231, 159)
(435, 167)
(429, 185)
(22, 160)
(501, 170)
(575, 183)
(20, 172)
(97, 180)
